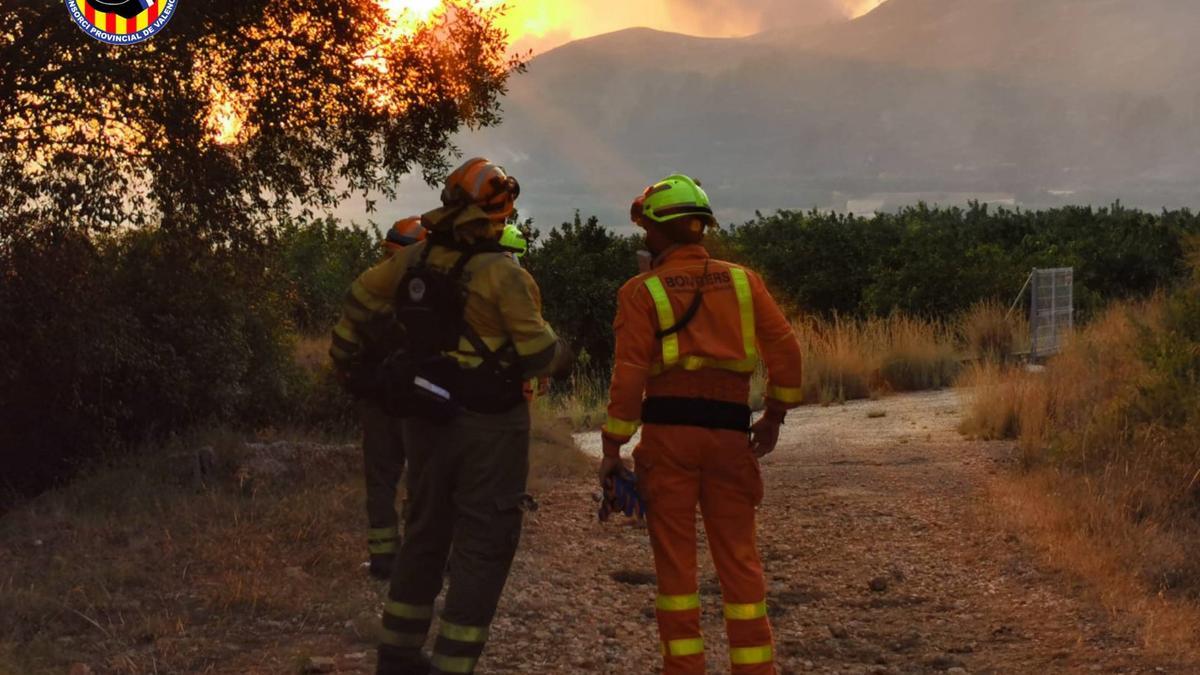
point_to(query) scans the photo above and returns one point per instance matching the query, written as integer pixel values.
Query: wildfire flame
(541, 24)
(225, 122)
(407, 16)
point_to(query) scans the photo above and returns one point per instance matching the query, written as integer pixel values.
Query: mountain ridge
(920, 98)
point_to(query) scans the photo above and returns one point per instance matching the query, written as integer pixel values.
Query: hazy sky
(545, 24)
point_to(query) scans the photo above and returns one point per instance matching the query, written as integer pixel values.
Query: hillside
(1036, 101)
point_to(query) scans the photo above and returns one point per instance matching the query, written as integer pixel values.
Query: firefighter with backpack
(382, 441)
(473, 333)
(689, 335)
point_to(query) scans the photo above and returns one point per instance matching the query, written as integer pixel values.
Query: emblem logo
(121, 22)
(416, 290)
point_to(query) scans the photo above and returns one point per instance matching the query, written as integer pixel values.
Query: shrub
(919, 355)
(989, 332)
(847, 359)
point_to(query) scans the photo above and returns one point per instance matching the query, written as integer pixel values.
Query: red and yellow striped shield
(114, 24)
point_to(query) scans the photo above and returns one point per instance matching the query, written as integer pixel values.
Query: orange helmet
(479, 182)
(406, 232)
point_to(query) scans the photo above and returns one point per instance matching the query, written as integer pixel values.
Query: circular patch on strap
(416, 290)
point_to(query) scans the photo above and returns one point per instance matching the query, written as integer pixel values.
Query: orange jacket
(715, 355)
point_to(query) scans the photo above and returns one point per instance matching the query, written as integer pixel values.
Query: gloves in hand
(621, 495)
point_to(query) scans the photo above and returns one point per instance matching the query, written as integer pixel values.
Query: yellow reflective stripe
(493, 343)
(786, 394)
(454, 664)
(381, 547)
(453, 631)
(403, 610)
(747, 656)
(692, 363)
(666, 319)
(382, 533)
(736, 612)
(364, 298)
(535, 345)
(685, 647)
(410, 640)
(345, 332)
(618, 427)
(741, 285)
(678, 603)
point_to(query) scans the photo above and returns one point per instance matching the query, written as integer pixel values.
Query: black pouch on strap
(696, 412)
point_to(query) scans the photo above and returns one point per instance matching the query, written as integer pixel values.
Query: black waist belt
(696, 412)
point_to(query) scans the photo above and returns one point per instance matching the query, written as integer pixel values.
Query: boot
(396, 661)
(381, 565)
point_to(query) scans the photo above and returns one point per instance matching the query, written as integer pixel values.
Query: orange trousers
(679, 468)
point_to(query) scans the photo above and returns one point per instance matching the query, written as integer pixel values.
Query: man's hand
(764, 435)
(612, 461)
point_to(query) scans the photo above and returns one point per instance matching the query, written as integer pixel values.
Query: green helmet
(514, 240)
(676, 196)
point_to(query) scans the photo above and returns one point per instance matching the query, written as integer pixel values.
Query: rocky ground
(881, 548)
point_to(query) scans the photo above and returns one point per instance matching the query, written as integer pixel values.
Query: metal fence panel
(1052, 310)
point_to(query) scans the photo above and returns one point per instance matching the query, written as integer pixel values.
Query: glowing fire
(540, 25)
(407, 16)
(224, 121)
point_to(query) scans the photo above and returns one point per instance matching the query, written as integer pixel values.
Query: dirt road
(880, 553)
(883, 555)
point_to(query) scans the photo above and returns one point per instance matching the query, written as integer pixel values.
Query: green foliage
(1171, 396)
(321, 258)
(110, 341)
(580, 266)
(939, 262)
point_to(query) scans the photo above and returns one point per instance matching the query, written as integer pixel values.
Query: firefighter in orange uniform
(689, 334)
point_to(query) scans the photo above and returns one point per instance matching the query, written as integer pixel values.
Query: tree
(149, 237)
(238, 109)
(580, 267)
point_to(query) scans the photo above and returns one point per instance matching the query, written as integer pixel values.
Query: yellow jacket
(503, 305)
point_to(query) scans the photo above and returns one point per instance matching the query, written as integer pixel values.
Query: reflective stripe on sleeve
(736, 612)
(748, 656)
(355, 310)
(677, 603)
(786, 394)
(403, 610)
(745, 297)
(536, 344)
(622, 428)
(364, 298)
(685, 647)
(453, 631)
(666, 319)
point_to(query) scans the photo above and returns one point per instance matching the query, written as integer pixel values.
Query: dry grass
(1108, 494)
(1075, 526)
(583, 406)
(552, 453)
(846, 360)
(991, 335)
(139, 568)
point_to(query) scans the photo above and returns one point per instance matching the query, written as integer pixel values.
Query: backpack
(420, 379)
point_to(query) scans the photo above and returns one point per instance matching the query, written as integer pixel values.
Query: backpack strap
(490, 357)
(692, 310)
